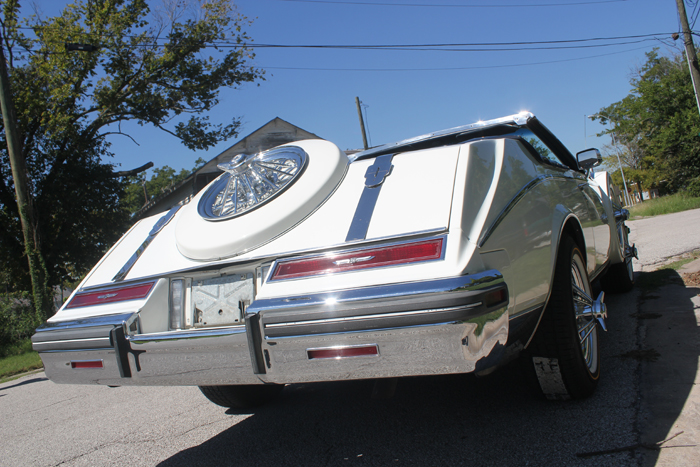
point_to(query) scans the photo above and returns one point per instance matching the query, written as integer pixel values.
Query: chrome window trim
(276, 262)
(517, 119)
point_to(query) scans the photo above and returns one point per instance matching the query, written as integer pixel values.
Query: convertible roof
(488, 128)
(449, 136)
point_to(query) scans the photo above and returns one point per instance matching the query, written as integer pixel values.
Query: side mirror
(589, 158)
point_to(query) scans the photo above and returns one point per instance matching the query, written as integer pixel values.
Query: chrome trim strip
(517, 119)
(162, 222)
(379, 315)
(93, 321)
(516, 199)
(374, 178)
(373, 246)
(59, 351)
(405, 290)
(355, 333)
(333, 347)
(187, 334)
(69, 341)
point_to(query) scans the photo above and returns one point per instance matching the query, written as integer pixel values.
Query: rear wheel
(620, 277)
(243, 396)
(564, 352)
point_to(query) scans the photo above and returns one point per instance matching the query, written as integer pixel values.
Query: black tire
(566, 367)
(242, 396)
(619, 278)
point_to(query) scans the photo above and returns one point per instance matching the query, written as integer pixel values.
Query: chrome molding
(517, 119)
(516, 199)
(94, 321)
(374, 177)
(374, 316)
(187, 334)
(405, 290)
(442, 326)
(162, 222)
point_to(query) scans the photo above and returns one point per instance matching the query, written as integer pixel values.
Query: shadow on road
(26, 381)
(670, 347)
(444, 420)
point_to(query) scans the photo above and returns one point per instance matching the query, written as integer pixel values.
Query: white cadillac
(452, 252)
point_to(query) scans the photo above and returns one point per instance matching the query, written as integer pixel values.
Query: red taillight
(360, 259)
(343, 352)
(132, 292)
(87, 364)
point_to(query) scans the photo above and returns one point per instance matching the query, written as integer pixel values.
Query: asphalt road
(449, 420)
(659, 237)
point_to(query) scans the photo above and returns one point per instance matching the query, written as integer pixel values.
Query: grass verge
(664, 205)
(18, 358)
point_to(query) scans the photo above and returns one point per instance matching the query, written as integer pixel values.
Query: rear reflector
(360, 259)
(132, 292)
(496, 297)
(87, 364)
(343, 352)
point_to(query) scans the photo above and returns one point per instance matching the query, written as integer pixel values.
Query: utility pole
(362, 122)
(37, 269)
(689, 50)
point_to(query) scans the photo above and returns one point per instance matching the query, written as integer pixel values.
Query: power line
(511, 65)
(436, 47)
(420, 46)
(448, 5)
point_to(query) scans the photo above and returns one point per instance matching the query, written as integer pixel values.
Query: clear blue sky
(415, 92)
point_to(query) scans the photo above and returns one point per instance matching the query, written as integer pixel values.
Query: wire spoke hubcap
(588, 313)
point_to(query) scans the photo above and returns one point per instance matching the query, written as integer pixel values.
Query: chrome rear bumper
(432, 327)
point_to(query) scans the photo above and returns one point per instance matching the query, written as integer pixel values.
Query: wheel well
(573, 229)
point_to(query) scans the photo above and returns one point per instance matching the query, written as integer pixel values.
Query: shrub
(18, 319)
(693, 188)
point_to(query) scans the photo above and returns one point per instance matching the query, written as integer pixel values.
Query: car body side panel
(526, 226)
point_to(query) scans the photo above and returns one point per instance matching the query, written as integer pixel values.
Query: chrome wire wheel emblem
(251, 181)
(589, 312)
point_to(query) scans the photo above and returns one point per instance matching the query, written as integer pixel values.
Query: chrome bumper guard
(433, 327)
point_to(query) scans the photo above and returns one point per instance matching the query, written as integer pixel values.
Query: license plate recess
(221, 301)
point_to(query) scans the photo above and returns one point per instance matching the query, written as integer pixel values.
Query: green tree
(657, 126)
(139, 190)
(155, 67)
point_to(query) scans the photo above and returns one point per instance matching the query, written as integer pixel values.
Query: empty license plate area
(221, 301)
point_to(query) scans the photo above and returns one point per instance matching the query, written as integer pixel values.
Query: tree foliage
(140, 191)
(657, 126)
(161, 67)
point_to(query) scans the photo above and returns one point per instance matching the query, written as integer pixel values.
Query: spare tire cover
(258, 198)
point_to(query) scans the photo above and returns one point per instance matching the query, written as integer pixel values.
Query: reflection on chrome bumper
(432, 327)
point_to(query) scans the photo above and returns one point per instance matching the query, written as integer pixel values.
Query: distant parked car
(452, 252)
